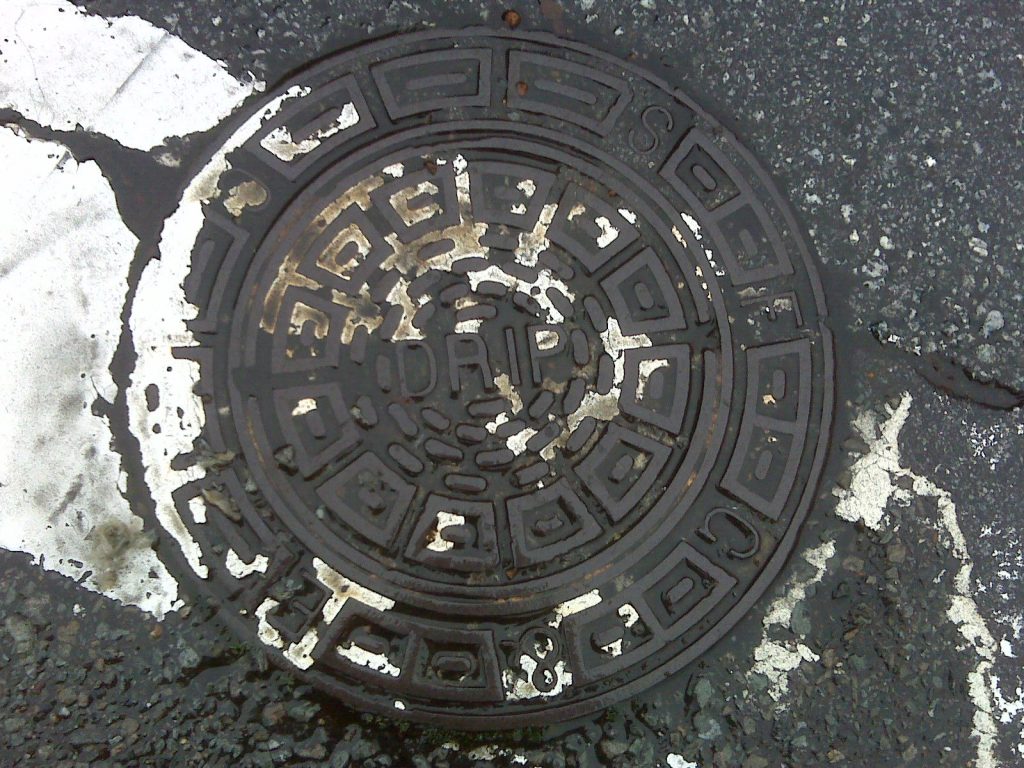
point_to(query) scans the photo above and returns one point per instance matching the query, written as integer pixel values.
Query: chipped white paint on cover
(531, 244)
(437, 542)
(546, 280)
(267, 634)
(678, 761)
(279, 142)
(646, 369)
(300, 653)
(520, 687)
(402, 199)
(511, 394)
(342, 589)
(197, 508)
(120, 77)
(304, 406)
(608, 232)
(238, 568)
(158, 323)
(577, 604)
(628, 615)
(64, 260)
(695, 229)
(248, 194)
(378, 662)
(605, 407)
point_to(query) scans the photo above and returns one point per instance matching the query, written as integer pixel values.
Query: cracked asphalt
(895, 130)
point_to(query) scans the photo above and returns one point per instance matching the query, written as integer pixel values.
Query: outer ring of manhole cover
(482, 377)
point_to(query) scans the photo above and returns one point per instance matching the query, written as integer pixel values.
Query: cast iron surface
(526, 370)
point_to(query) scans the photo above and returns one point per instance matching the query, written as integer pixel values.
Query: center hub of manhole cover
(482, 378)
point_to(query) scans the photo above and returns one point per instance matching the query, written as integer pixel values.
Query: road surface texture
(893, 633)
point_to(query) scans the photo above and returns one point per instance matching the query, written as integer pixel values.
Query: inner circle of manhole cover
(482, 377)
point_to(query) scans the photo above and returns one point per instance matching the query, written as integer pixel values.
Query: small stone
(993, 322)
(987, 354)
(708, 728)
(67, 696)
(363, 749)
(800, 622)
(612, 748)
(285, 458)
(703, 691)
(896, 553)
(273, 714)
(512, 18)
(853, 564)
(303, 711)
(189, 659)
(311, 751)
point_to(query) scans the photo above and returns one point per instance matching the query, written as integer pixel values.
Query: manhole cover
(482, 377)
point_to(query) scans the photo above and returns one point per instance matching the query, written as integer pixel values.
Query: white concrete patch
(678, 761)
(121, 77)
(64, 259)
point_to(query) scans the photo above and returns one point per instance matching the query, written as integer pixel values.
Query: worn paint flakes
(158, 324)
(280, 143)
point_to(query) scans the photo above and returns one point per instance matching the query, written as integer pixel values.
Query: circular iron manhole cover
(482, 377)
